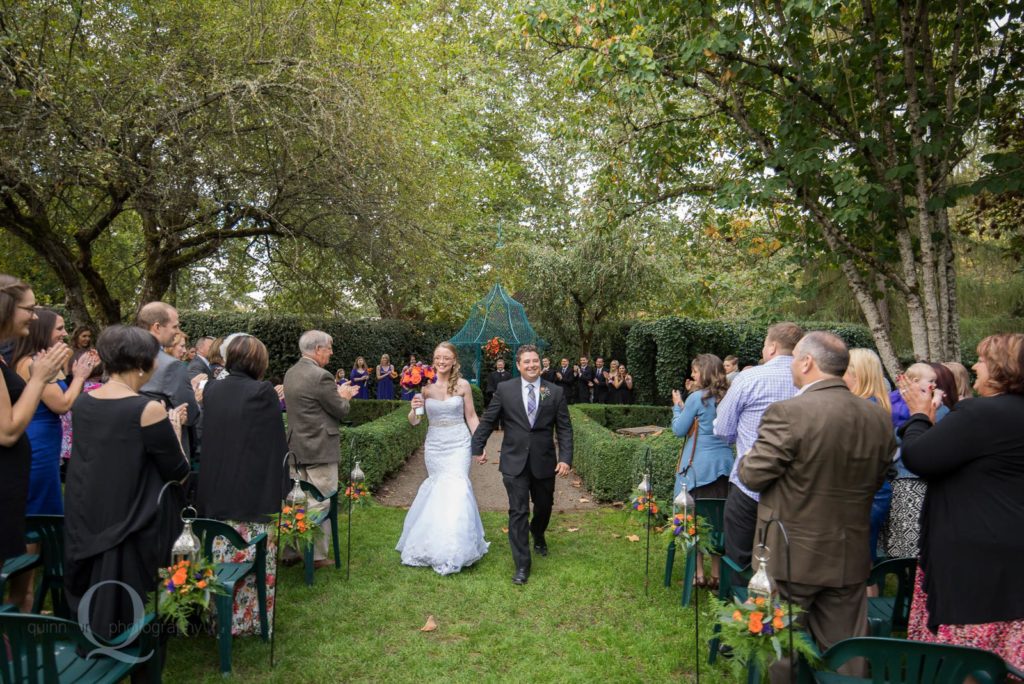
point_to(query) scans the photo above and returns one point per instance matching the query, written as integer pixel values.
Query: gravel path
(400, 489)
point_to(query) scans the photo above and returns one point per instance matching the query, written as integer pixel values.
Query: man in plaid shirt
(739, 417)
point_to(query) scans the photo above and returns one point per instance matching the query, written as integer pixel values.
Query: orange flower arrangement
(689, 529)
(296, 530)
(418, 375)
(755, 630)
(186, 590)
(359, 494)
(495, 348)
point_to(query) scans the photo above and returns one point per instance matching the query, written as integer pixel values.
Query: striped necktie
(531, 404)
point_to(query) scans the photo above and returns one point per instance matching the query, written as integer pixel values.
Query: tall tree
(856, 114)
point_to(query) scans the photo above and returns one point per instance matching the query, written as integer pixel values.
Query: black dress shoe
(522, 574)
(540, 545)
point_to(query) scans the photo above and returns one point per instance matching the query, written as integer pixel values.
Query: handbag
(694, 431)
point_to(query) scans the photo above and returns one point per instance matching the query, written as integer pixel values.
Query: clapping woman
(244, 474)
(360, 378)
(385, 378)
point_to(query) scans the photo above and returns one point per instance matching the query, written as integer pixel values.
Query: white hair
(227, 343)
(311, 339)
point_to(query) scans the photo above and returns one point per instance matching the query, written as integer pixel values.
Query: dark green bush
(617, 416)
(478, 400)
(363, 411)
(612, 465)
(280, 332)
(660, 351)
(381, 446)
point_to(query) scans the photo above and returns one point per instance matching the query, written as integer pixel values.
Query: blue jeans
(879, 513)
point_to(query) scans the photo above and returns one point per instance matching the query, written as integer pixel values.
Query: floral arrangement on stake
(495, 348)
(756, 631)
(296, 529)
(687, 529)
(185, 591)
(359, 494)
(644, 504)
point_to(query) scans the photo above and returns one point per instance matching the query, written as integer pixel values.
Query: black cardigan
(243, 475)
(972, 521)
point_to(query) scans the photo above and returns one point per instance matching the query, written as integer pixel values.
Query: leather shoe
(322, 563)
(522, 574)
(540, 546)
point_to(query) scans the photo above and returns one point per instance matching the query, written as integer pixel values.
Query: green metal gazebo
(496, 315)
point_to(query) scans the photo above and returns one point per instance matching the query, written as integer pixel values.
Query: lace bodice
(445, 412)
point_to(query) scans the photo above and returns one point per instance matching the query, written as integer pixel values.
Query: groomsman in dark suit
(584, 381)
(496, 377)
(600, 382)
(566, 379)
(547, 373)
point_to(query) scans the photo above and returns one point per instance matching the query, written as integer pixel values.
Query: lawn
(582, 617)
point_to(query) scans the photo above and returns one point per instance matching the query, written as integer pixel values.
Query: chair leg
(261, 596)
(670, 557)
(334, 539)
(224, 628)
(688, 575)
(307, 557)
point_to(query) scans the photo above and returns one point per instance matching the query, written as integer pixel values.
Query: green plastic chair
(49, 533)
(726, 592)
(330, 514)
(891, 614)
(232, 575)
(43, 648)
(13, 567)
(912, 662)
(712, 510)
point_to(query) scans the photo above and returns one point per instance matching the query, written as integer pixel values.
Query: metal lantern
(296, 497)
(186, 546)
(683, 503)
(645, 486)
(761, 584)
(357, 474)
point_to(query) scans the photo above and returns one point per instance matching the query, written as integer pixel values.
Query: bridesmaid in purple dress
(361, 377)
(385, 373)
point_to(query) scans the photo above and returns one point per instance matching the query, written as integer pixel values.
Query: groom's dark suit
(527, 457)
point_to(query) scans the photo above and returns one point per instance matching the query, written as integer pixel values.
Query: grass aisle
(583, 616)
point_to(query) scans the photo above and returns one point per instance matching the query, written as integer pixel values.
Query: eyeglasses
(34, 309)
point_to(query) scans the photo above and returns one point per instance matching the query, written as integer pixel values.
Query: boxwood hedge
(660, 351)
(611, 465)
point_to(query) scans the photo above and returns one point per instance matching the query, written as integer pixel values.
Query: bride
(443, 529)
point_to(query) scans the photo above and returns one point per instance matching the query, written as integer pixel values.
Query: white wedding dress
(443, 528)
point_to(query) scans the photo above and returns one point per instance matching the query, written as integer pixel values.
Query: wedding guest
(244, 476)
(739, 415)
(360, 376)
(600, 382)
(705, 461)
(968, 591)
(621, 390)
(341, 377)
(547, 373)
(200, 364)
(81, 339)
(178, 347)
(94, 381)
(216, 359)
(121, 519)
(900, 536)
(566, 380)
(962, 377)
(584, 381)
(817, 461)
(407, 394)
(865, 378)
(386, 375)
(732, 367)
(18, 401)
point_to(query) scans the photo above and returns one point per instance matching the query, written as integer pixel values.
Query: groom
(530, 408)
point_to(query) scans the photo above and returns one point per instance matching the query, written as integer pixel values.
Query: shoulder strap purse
(692, 434)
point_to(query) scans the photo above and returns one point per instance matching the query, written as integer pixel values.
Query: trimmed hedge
(362, 411)
(617, 416)
(612, 465)
(660, 351)
(280, 332)
(381, 446)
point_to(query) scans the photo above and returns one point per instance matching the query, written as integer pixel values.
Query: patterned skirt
(901, 536)
(245, 617)
(1005, 639)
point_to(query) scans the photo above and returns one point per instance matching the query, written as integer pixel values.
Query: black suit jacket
(523, 445)
(495, 379)
(586, 375)
(198, 366)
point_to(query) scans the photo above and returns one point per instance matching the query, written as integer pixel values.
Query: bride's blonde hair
(455, 375)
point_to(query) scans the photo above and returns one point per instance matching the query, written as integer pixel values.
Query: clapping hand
(677, 398)
(47, 364)
(919, 399)
(280, 392)
(347, 390)
(178, 416)
(84, 364)
(198, 384)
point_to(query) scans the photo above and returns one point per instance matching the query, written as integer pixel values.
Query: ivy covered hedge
(381, 446)
(363, 411)
(660, 351)
(280, 332)
(612, 465)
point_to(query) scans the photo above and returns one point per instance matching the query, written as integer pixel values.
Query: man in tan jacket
(818, 460)
(315, 406)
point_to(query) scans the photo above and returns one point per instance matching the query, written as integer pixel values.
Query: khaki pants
(323, 476)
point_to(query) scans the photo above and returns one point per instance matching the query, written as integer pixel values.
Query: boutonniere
(544, 392)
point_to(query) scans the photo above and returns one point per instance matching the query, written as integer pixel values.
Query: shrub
(363, 411)
(611, 465)
(660, 351)
(380, 446)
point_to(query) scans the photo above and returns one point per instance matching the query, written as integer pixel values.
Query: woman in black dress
(18, 402)
(122, 498)
(244, 472)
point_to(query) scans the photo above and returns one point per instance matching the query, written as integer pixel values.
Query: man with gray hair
(818, 460)
(315, 406)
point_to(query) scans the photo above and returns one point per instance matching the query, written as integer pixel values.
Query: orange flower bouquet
(757, 631)
(643, 505)
(185, 591)
(689, 530)
(359, 494)
(297, 531)
(495, 348)
(417, 375)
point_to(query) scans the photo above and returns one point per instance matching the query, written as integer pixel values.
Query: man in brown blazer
(818, 460)
(315, 405)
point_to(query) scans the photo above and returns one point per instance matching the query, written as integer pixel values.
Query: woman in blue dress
(44, 431)
(361, 377)
(385, 378)
(705, 461)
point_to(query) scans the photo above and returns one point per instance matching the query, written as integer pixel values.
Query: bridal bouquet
(417, 375)
(185, 591)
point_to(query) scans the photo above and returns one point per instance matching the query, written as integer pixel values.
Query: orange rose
(300, 516)
(201, 584)
(756, 625)
(759, 601)
(692, 531)
(737, 616)
(179, 577)
(286, 510)
(777, 623)
(778, 612)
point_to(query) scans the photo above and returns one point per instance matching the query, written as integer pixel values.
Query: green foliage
(612, 465)
(617, 416)
(362, 411)
(381, 447)
(280, 332)
(758, 635)
(660, 352)
(478, 399)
